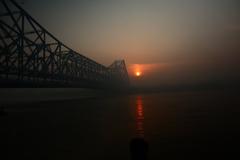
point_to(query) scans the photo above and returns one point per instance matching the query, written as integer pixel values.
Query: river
(172, 124)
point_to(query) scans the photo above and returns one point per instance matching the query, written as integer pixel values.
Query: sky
(171, 42)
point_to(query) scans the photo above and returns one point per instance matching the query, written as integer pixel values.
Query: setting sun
(138, 74)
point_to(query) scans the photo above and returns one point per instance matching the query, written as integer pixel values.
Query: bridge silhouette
(32, 56)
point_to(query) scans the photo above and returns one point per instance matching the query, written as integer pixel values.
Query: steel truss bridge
(32, 56)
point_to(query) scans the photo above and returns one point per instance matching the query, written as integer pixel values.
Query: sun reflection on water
(139, 117)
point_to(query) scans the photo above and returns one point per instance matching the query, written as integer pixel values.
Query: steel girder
(29, 51)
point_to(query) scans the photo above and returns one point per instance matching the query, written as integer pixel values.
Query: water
(172, 124)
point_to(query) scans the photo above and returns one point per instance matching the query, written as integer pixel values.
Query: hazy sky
(170, 41)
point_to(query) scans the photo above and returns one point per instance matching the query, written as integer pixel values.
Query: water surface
(173, 125)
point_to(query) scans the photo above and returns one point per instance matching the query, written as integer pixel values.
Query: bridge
(31, 56)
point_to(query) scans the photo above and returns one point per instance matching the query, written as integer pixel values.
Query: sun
(138, 74)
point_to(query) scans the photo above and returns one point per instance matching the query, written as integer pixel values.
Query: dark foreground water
(173, 124)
